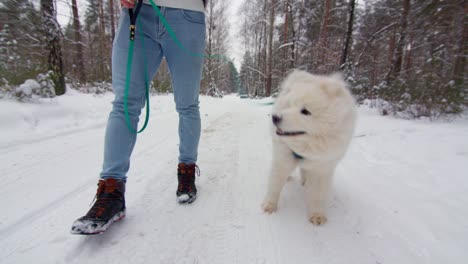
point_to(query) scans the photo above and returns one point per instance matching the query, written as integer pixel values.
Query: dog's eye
(305, 111)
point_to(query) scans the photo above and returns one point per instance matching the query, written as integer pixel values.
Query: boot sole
(89, 227)
(188, 201)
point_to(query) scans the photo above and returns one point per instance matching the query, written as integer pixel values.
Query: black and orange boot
(109, 207)
(186, 190)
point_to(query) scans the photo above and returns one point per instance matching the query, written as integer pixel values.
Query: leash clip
(133, 14)
(132, 32)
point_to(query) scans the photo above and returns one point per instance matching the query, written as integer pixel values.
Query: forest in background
(405, 57)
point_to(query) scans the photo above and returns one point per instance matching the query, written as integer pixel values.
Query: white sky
(235, 51)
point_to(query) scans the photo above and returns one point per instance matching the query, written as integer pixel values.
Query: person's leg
(119, 140)
(109, 205)
(186, 69)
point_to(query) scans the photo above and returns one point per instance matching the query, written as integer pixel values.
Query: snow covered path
(400, 195)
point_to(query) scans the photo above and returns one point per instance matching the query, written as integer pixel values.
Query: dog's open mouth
(280, 132)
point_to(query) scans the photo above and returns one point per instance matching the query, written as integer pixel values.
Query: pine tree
(349, 33)
(23, 55)
(53, 37)
(79, 59)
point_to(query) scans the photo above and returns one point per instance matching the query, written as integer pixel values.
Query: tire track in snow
(191, 226)
(53, 156)
(32, 216)
(259, 243)
(223, 239)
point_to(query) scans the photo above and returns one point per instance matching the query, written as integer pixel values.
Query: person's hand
(127, 3)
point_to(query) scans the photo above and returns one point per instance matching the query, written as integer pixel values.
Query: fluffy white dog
(313, 123)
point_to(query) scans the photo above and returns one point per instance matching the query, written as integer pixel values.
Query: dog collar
(297, 156)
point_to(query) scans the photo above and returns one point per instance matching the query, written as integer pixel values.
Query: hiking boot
(186, 190)
(109, 207)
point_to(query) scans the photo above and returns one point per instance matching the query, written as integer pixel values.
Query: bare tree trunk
(53, 45)
(264, 49)
(293, 36)
(269, 63)
(78, 44)
(391, 47)
(210, 46)
(460, 61)
(284, 51)
(102, 44)
(409, 54)
(90, 59)
(288, 37)
(258, 63)
(349, 34)
(398, 57)
(324, 33)
(112, 19)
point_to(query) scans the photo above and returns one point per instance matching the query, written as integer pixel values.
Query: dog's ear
(294, 76)
(333, 86)
(337, 76)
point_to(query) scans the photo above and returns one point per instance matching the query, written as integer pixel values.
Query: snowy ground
(400, 195)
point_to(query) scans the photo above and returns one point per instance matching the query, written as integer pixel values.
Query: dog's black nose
(276, 119)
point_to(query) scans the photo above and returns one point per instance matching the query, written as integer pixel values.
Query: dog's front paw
(318, 219)
(269, 207)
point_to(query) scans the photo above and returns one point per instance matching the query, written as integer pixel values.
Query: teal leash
(133, 20)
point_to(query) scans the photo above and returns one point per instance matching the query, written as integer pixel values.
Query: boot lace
(187, 178)
(102, 202)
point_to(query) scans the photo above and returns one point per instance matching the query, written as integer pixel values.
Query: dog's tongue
(279, 131)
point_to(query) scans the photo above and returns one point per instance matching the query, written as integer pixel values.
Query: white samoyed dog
(312, 125)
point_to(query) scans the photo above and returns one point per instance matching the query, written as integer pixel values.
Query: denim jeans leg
(186, 72)
(119, 141)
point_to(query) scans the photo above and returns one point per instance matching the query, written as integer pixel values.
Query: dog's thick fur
(313, 123)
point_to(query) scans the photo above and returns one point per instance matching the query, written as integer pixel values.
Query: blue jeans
(152, 43)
